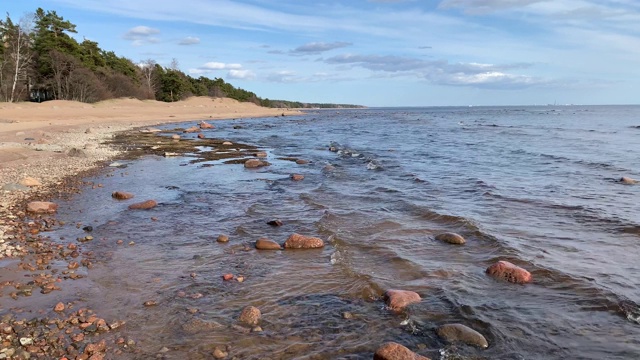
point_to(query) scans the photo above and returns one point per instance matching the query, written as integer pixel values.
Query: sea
(538, 186)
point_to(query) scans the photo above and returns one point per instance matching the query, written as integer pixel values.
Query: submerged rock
(505, 270)
(222, 238)
(451, 238)
(461, 333)
(395, 351)
(145, 205)
(399, 299)
(121, 195)
(628, 180)
(192, 129)
(250, 316)
(196, 325)
(297, 241)
(201, 136)
(254, 163)
(206, 125)
(41, 207)
(267, 244)
(275, 222)
(296, 177)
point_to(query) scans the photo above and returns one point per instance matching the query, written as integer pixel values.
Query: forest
(40, 60)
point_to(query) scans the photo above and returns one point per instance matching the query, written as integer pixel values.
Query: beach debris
(250, 315)
(297, 241)
(121, 195)
(297, 177)
(451, 238)
(41, 207)
(395, 351)
(399, 299)
(254, 163)
(275, 222)
(222, 238)
(460, 333)
(30, 182)
(205, 125)
(507, 271)
(628, 181)
(267, 244)
(145, 205)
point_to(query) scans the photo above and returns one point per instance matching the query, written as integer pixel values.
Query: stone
(460, 333)
(451, 238)
(121, 195)
(196, 325)
(297, 241)
(275, 222)
(227, 277)
(145, 205)
(74, 152)
(261, 154)
(30, 182)
(149, 303)
(507, 271)
(302, 162)
(253, 163)
(175, 137)
(399, 299)
(628, 180)
(227, 143)
(250, 315)
(59, 307)
(395, 351)
(218, 353)
(267, 244)
(192, 129)
(222, 238)
(201, 136)
(88, 131)
(296, 177)
(42, 207)
(206, 125)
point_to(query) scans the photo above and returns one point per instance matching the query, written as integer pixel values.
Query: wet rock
(261, 154)
(297, 241)
(41, 207)
(222, 238)
(254, 163)
(145, 205)
(88, 228)
(395, 351)
(175, 137)
(328, 168)
(219, 353)
(250, 315)
(150, 303)
(302, 161)
(227, 277)
(461, 333)
(507, 271)
(205, 125)
(297, 177)
(399, 299)
(628, 180)
(201, 136)
(227, 143)
(196, 325)
(267, 244)
(192, 129)
(74, 152)
(451, 238)
(30, 182)
(275, 222)
(59, 307)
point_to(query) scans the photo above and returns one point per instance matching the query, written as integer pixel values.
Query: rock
(145, 205)
(628, 180)
(297, 241)
(175, 137)
(461, 333)
(201, 136)
(250, 316)
(42, 207)
(451, 238)
(395, 351)
(254, 163)
(297, 177)
(227, 277)
(222, 239)
(149, 303)
(26, 341)
(507, 271)
(227, 143)
(192, 129)
(261, 154)
(206, 125)
(328, 168)
(302, 161)
(266, 244)
(74, 152)
(275, 222)
(30, 182)
(218, 353)
(59, 307)
(399, 299)
(196, 325)
(121, 195)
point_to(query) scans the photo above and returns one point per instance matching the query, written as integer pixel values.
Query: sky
(380, 52)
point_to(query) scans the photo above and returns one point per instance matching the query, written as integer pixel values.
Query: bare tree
(148, 68)
(17, 56)
(174, 64)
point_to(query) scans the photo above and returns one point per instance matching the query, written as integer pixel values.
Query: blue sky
(380, 52)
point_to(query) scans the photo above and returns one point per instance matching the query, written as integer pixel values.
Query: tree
(148, 68)
(16, 57)
(51, 33)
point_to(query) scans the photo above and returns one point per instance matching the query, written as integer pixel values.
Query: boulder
(121, 195)
(460, 333)
(275, 222)
(253, 163)
(267, 244)
(399, 299)
(507, 271)
(30, 182)
(41, 207)
(297, 241)
(145, 205)
(297, 177)
(206, 125)
(261, 154)
(451, 238)
(201, 136)
(175, 137)
(74, 152)
(192, 129)
(302, 161)
(395, 351)
(196, 325)
(628, 180)
(250, 316)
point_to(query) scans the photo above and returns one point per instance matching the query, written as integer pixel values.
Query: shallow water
(536, 186)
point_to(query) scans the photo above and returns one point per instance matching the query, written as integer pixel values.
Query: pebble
(41, 207)
(297, 177)
(121, 195)
(218, 353)
(254, 163)
(267, 244)
(451, 238)
(145, 205)
(275, 222)
(59, 307)
(222, 238)
(227, 277)
(150, 303)
(461, 333)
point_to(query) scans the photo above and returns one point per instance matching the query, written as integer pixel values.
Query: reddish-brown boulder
(206, 125)
(227, 277)
(121, 195)
(399, 299)
(451, 238)
(297, 177)
(143, 205)
(395, 351)
(250, 315)
(201, 136)
(254, 163)
(297, 241)
(507, 271)
(41, 207)
(267, 244)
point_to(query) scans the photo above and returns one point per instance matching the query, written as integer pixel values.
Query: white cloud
(214, 66)
(241, 74)
(318, 47)
(141, 35)
(189, 40)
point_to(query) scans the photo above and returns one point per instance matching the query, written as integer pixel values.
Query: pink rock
(399, 299)
(121, 195)
(250, 315)
(227, 277)
(253, 163)
(297, 177)
(266, 244)
(145, 205)
(297, 241)
(41, 207)
(206, 125)
(395, 351)
(507, 271)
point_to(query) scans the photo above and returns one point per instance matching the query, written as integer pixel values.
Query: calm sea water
(536, 186)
